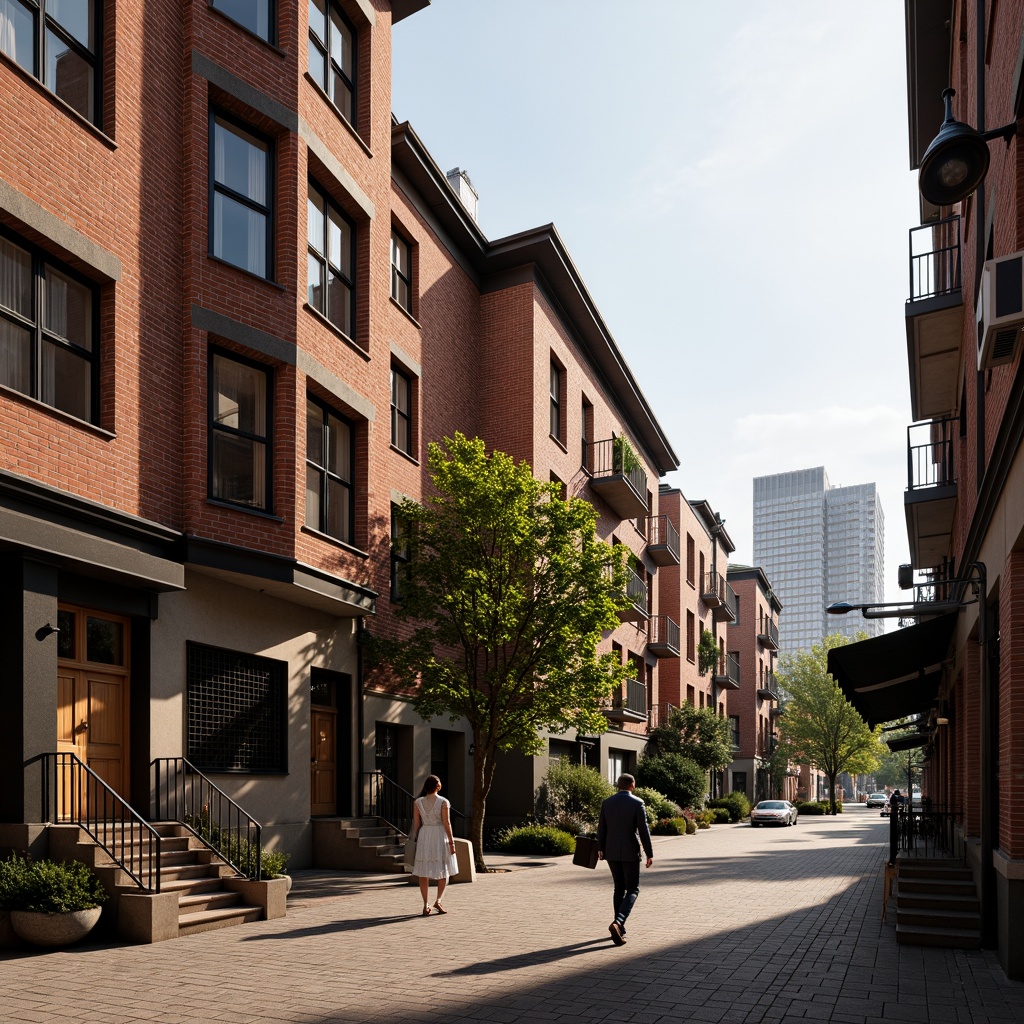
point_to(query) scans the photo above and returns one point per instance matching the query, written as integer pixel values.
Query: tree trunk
(483, 774)
(832, 793)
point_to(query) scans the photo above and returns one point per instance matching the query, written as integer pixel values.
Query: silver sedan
(773, 812)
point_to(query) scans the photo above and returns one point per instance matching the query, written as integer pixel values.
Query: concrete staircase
(358, 844)
(937, 904)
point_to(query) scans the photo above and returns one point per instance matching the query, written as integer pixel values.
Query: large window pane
(69, 75)
(339, 235)
(239, 470)
(15, 278)
(338, 511)
(240, 396)
(68, 309)
(15, 357)
(239, 235)
(240, 162)
(76, 17)
(253, 14)
(315, 220)
(66, 381)
(339, 448)
(16, 34)
(339, 304)
(314, 482)
(104, 641)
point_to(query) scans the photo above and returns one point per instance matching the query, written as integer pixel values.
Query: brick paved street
(733, 924)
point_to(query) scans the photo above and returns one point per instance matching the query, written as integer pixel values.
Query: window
(47, 331)
(332, 55)
(560, 484)
(691, 637)
(255, 15)
(689, 559)
(241, 218)
(401, 271)
(239, 432)
(556, 402)
(330, 477)
(399, 554)
(704, 581)
(734, 739)
(65, 35)
(586, 430)
(401, 411)
(331, 239)
(235, 711)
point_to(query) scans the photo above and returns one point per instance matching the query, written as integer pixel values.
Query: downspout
(360, 655)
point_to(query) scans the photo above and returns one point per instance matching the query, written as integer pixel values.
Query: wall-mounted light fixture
(44, 631)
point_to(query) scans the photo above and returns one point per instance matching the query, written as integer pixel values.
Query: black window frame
(230, 122)
(399, 242)
(41, 23)
(323, 258)
(40, 261)
(556, 383)
(324, 46)
(400, 414)
(326, 474)
(270, 37)
(401, 556)
(267, 439)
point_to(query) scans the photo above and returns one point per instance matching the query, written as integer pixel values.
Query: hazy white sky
(732, 180)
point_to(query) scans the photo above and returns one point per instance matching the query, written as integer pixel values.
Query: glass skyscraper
(819, 544)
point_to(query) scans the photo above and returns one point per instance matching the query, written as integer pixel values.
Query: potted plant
(624, 459)
(50, 903)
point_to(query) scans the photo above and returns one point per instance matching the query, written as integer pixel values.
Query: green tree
(819, 723)
(894, 766)
(509, 591)
(776, 764)
(698, 734)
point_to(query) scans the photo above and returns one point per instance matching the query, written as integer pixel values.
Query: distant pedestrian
(435, 844)
(621, 831)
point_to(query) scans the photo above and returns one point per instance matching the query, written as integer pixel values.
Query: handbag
(410, 851)
(586, 852)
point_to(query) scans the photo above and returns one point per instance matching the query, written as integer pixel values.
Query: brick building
(237, 302)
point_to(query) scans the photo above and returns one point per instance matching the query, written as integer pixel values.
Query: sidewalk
(734, 924)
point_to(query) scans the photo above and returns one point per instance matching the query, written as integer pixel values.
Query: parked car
(773, 812)
(877, 800)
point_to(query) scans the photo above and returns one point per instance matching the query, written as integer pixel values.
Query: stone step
(937, 886)
(929, 917)
(191, 885)
(930, 869)
(214, 900)
(949, 938)
(209, 920)
(937, 901)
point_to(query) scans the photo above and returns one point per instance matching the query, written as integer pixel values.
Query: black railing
(635, 699)
(768, 634)
(935, 259)
(924, 831)
(614, 457)
(73, 794)
(636, 590)
(930, 454)
(181, 793)
(383, 798)
(661, 533)
(663, 632)
(729, 669)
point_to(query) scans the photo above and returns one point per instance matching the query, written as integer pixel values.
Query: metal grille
(236, 711)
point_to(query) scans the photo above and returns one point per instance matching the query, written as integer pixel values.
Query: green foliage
(624, 459)
(691, 826)
(720, 815)
(572, 793)
(735, 804)
(535, 839)
(47, 886)
(509, 593)
(813, 807)
(708, 652)
(670, 827)
(237, 849)
(657, 805)
(678, 777)
(698, 734)
(820, 724)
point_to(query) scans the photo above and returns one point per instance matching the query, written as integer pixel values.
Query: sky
(732, 181)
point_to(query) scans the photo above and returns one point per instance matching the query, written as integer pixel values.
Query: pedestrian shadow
(534, 959)
(354, 925)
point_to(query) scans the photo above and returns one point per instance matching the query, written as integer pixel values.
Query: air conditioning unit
(1001, 326)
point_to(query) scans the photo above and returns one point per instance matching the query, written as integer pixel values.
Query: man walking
(620, 832)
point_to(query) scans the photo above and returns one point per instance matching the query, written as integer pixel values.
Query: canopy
(896, 674)
(907, 742)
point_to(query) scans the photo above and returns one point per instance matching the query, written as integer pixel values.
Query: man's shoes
(615, 929)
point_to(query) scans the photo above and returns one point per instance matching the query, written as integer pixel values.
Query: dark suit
(621, 831)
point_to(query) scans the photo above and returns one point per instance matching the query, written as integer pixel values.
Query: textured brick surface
(733, 925)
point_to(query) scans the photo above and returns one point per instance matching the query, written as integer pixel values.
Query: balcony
(768, 689)
(717, 593)
(628, 707)
(768, 635)
(662, 541)
(622, 486)
(727, 675)
(930, 499)
(663, 637)
(636, 595)
(935, 319)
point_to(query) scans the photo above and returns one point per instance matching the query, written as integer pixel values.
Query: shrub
(670, 827)
(691, 826)
(236, 848)
(679, 778)
(571, 824)
(811, 807)
(273, 863)
(47, 886)
(658, 805)
(535, 839)
(720, 815)
(572, 793)
(736, 804)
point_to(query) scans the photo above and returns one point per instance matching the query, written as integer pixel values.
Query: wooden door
(323, 784)
(92, 702)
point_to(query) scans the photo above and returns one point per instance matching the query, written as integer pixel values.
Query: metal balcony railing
(615, 474)
(662, 540)
(768, 634)
(628, 706)
(663, 636)
(930, 454)
(636, 595)
(728, 672)
(935, 259)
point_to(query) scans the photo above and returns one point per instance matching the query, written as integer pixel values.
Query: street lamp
(956, 161)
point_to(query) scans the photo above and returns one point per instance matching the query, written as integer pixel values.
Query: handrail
(935, 266)
(73, 793)
(184, 794)
(393, 804)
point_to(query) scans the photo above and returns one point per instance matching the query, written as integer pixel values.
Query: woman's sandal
(426, 912)
(439, 908)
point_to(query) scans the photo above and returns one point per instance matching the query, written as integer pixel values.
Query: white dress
(433, 858)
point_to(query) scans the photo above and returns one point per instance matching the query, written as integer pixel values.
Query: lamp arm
(1005, 133)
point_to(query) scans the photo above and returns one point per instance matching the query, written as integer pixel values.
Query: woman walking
(435, 844)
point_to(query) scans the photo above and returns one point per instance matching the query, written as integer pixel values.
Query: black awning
(907, 742)
(894, 675)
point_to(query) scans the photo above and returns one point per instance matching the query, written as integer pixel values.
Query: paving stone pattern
(734, 924)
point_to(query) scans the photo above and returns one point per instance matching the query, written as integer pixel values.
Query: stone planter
(53, 930)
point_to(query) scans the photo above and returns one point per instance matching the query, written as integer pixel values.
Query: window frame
(327, 475)
(398, 241)
(214, 353)
(270, 37)
(398, 414)
(40, 260)
(401, 556)
(236, 126)
(324, 47)
(325, 261)
(556, 386)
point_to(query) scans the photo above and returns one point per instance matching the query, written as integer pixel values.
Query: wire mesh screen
(236, 711)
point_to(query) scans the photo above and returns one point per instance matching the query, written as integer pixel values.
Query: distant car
(877, 800)
(773, 812)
